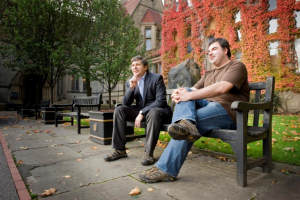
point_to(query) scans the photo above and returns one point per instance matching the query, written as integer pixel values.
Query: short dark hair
(223, 43)
(138, 57)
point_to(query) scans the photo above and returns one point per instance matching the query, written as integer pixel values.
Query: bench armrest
(246, 106)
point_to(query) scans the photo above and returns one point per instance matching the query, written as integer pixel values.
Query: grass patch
(285, 139)
(84, 122)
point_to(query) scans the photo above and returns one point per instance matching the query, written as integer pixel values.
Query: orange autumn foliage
(216, 18)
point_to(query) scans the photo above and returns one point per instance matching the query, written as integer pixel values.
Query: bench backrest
(263, 92)
(88, 103)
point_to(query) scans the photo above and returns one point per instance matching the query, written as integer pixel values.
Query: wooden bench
(79, 109)
(244, 133)
(34, 109)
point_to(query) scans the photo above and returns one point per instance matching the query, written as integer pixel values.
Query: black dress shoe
(116, 155)
(148, 160)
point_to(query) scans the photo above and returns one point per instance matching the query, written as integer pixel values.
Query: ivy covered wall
(261, 33)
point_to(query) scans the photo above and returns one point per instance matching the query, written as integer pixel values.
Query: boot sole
(178, 132)
(116, 158)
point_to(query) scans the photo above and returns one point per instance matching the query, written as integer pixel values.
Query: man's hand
(133, 82)
(138, 120)
(180, 94)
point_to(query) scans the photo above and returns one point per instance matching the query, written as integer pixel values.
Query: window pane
(273, 48)
(238, 55)
(273, 25)
(237, 17)
(272, 5)
(148, 44)
(239, 34)
(297, 18)
(148, 32)
(189, 47)
(177, 5)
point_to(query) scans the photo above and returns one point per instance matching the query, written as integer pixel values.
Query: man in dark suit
(149, 92)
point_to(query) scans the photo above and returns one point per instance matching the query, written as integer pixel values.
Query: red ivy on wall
(207, 18)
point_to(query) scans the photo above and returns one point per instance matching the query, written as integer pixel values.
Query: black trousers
(154, 120)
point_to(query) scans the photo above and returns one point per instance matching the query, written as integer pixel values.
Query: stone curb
(18, 181)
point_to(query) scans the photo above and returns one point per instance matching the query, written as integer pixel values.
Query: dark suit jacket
(154, 94)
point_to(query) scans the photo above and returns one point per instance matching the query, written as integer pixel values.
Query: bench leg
(72, 121)
(78, 123)
(267, 154)
(241, 163)
(55, 118)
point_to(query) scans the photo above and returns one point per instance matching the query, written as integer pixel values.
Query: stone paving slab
(74, 165)
(116, 189)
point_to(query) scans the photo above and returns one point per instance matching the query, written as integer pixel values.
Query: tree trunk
(109, 96)
(88, 87)
(51, 94)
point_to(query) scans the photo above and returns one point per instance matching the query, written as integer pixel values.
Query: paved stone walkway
(58, 158)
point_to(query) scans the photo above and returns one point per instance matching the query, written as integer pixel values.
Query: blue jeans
(207, 116)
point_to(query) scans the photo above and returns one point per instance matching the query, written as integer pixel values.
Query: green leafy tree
(118, 42)
(85, 48)
(39, 36)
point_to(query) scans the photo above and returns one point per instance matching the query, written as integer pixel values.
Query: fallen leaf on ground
(127, 151)
(295, 132)
(47, 131)
(20, 162)
(48, 192)
(36, 131)
(296, 139)
(18, 138)
(78, 159)
(24, 148)
(190, 153)
(67, 176)
(28, 132)
(292, 149)
(150, 189)
(135, 191)
(274, 140)
(60, 153)
(94, 147)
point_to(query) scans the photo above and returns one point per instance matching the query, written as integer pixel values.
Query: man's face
(138, 69)
(216, 54)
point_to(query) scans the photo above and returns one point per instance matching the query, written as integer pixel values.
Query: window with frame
(177, 5)
(189, 48)
(273, 48)
(297, 18)
(148, 38)
(75, 84)
(239, 34)
(273, 26)
(188, 32)
(237, 17)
